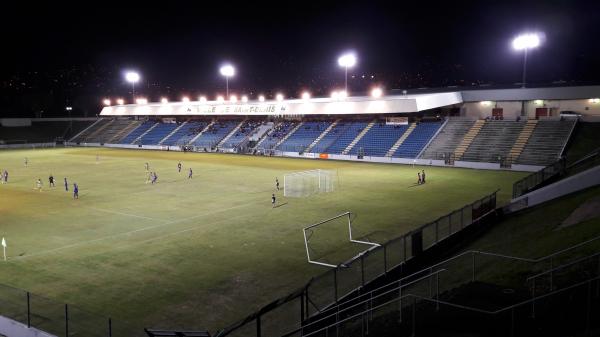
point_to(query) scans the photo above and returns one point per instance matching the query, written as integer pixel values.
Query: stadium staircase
(207, 127)
(547, 142)
(117, 137)
(172, 133)
(291, 132)
(144, 133)
(448, 138)
(304, 136)
(400, 140)
(229, 135)
(266, 134)
(468, 139)
(98, 131)
(86, 130)
(358, 137)
(493, 142)
(523, 138)
(323, 134)
(261, 131)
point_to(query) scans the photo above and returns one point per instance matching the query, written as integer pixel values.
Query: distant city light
(202, 99)
(376, 92)
(69, 108)
(185, 99)
(220, 99)
(164, 100)
(526, 41)
(233, 99)
(141, 100)
(279, 97)
(306, 95)
(132, 77)
(106, 102)
(120, 101)
(244, 98)
(347, 60)
(261, 98)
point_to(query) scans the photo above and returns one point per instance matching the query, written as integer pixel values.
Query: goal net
(334, 241)
(306, 183)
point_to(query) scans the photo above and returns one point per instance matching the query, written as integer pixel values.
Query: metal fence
(535, 179)
(57, 318)
(397, 306)
(333, 286)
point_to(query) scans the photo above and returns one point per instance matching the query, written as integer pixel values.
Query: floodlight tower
(346, 61)
(525, 42)
(228, 71)
(132, 77)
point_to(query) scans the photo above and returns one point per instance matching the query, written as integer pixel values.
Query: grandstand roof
(391, 104)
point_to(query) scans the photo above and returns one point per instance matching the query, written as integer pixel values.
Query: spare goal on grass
(306, 183)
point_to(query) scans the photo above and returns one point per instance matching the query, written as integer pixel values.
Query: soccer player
(273, 200)
(75, 191)
(5, 177)
(190, 174)
(66, 185)
(38, 184)
(51, 181)
(26, 162)
(419, 181)
(423, 176)
(277, 183)
(179, 167)
(147, 166)
(154, 178)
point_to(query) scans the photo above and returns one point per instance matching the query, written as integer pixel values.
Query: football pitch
(200, 252)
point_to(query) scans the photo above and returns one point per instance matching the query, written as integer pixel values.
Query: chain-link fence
(335, 285)
(536, 179)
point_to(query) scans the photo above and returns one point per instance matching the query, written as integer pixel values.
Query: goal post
(307, 183)
(309, 229)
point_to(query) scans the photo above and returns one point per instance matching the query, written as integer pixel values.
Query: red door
(497, 113)
(541, 112)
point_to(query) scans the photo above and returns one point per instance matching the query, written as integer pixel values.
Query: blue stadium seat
(414, 143)
(304, 136)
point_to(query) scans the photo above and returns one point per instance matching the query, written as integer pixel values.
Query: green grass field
(205, 252)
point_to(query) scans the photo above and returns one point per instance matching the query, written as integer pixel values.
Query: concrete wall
(11, 328)
(512, 109)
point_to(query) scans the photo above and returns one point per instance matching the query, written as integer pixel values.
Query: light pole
(132, 77)
(347, 60)
(525, 42)
(228, 71)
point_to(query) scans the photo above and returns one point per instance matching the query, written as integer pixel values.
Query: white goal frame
(330, 181)
(351, 239)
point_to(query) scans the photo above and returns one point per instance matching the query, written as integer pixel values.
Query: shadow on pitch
(285, 203)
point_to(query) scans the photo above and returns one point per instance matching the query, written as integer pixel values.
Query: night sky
(295, 45)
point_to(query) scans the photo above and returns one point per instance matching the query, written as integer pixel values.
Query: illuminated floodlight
(244, 98)
(120, 101)
(376, 93)
(164, 100)
(220, 99)
(69, 108)
(347, 60)
(486, 103)
(202, 99)
(335, 95)
(279, 97)
(233, 99)
(526, 41)
(306, 95)
(185, 99)
(342, 94)
(141, 100)
(106, 102)
(132, 77)
(538, 102)
(261, 98)
(595, 100)
(228, 71)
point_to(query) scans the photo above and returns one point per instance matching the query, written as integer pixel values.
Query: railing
(590, 160)
(391, 302)
(336, 284)
(59, 319)
(536, 179)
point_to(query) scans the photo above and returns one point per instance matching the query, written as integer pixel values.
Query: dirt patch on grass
(588, 210)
